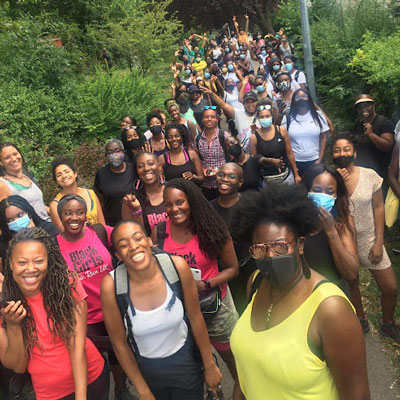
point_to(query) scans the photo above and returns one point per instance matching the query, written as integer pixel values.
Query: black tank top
(274, 148)
(175, 171)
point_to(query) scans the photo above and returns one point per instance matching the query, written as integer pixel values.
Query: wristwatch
(207, 284)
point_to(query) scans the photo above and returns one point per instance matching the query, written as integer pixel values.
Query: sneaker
(364, 323)
(391, 330)
(124, 394)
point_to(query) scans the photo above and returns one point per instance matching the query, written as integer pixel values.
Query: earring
(161, 179)
(138, 184)
(306, 267)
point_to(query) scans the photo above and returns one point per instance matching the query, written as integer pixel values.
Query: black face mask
(343, 161)
(301, 104)
(235, 150)
(133, 144)
(279, 270)
(156, 129)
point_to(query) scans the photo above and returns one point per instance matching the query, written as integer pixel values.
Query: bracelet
(207, 284)
(137, 213)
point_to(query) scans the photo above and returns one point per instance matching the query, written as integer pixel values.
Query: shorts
(364, 245)
(220, 325)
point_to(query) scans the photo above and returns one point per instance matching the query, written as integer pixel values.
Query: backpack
(121, 282)
(221, 138)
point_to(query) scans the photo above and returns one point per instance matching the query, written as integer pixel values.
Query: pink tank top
(191, 252)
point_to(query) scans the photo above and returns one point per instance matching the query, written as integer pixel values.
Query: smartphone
(196, 274)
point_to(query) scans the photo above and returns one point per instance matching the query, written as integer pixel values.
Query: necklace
(268, 314)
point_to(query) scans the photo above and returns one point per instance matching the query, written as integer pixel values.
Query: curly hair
(286, 205)
(205, 222)
(61, 160)
(182, 130)
(58, 299)
(342, 201)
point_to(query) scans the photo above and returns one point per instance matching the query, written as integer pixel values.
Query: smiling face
(229, 179)
(174, 138)
(73, 217)
(177, 206)
(133, 246)
(250, 106)
(65, 176)
(11, 159)
(324, 183)
(210, 119)
(28, 264)
(148, 168)
(342, 148)
(174, 113)
(125, 122)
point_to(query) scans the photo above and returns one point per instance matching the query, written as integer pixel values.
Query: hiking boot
(124, 394)
(391, 330)
(364, 323)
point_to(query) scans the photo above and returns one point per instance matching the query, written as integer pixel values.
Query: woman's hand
(297, 178)
(277, 162)
(201, 286)
(13, 313)
(344, 173)
(188, 175)
(327, 221)
(376, 253)
(213, 376)
(132, 202)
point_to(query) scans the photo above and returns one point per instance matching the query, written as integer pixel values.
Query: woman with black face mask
(308, 130)
(133, 141)
(367, 209)
(288, 342)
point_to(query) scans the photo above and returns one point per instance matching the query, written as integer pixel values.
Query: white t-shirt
(231, 75)
(233, 99)
(300, 79)
(304, 134)
(243, 122)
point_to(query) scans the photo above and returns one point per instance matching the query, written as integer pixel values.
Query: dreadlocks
(56, 287)
(205, 222)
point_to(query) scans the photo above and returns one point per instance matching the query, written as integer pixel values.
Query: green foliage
(377, 62)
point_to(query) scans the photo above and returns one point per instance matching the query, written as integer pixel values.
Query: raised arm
(228, 109)
(235, 24)
(246, 29)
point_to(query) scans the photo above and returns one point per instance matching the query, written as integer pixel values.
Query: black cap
(250, 95)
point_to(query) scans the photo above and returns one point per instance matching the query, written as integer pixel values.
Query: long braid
(56, 288)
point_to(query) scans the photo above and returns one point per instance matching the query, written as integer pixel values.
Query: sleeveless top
(91, 214)
(274, 148)
(277, 363)
(172, 171)
(32, 194)
(155, 214)
(192, 254)
(159, 332)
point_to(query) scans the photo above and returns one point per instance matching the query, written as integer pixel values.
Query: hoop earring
(161, 179)
(138, 184)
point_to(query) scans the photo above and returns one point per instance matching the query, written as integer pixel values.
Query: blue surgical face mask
(265, 122)
(230, 67)
(276, 67)
(323, 200)
(264, 53)
(227, 50)
(188, 71)
(207, 75)
(19, 223)
(289, 67)
(242, 56)
(260, 88)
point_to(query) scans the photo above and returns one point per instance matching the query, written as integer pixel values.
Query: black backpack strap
(121, 283)
(296, 75)
(255, 285)
(161, 228)
(101, 234)
(221, 137)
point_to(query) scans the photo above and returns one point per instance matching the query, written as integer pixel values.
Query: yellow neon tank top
(277, 364)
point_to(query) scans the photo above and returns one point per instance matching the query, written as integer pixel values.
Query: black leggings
(98, 334)
(179, 394)
(98, 389)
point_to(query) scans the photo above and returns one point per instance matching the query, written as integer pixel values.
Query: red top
(192, 254)
(50, 365)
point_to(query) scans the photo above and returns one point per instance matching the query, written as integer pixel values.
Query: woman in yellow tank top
(64, 173)
(299, 337)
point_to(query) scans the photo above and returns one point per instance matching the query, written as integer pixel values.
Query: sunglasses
(259, 250)
(209, 107)
(231, 176)
(266, 107)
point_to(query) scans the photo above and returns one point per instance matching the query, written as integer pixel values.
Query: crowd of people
(236, 221)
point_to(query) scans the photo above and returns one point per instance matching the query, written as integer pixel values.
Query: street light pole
(308, 61)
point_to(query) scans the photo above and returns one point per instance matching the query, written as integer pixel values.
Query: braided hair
(56, 287)
(205, 222)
